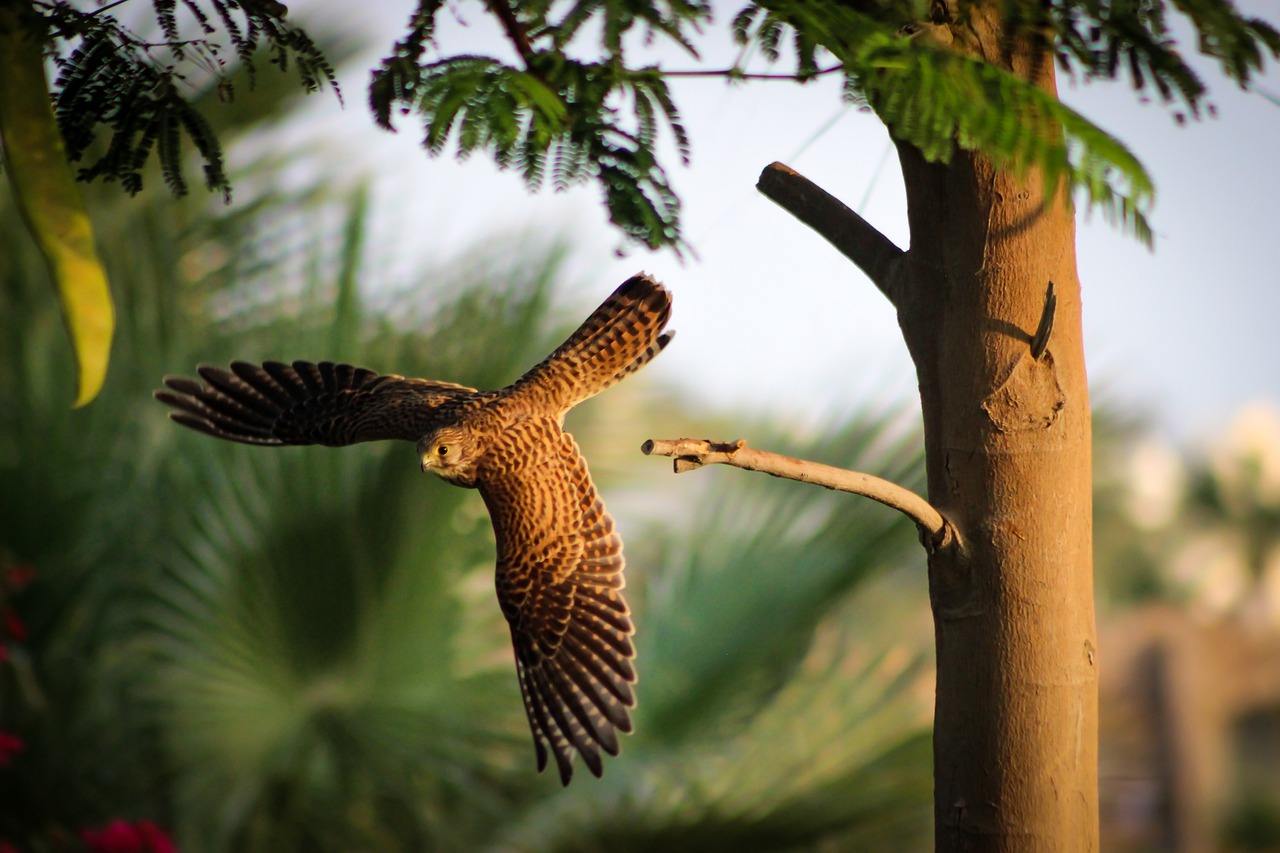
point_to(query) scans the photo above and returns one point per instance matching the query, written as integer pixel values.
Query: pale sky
(769, 316)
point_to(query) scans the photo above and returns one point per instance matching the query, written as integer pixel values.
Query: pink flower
(157, 840)
(120, 836)
(10, 745)
(116, 837)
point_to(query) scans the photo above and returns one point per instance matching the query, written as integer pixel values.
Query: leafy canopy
(908, 60)
(574, 105)
(300, 649)
(144, 90)
(554, 112)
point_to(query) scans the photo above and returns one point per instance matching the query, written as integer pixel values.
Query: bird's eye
(443, 450)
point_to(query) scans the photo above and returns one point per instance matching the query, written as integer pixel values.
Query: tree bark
(1008, 447)
(1007, 442)
(1008, 452)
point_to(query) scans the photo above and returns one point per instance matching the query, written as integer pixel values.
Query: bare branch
(512, 27)
(857, 239)
(692, 453)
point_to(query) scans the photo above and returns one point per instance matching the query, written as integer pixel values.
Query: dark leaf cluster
(144, 93)
(553, 116)
(1107, 39)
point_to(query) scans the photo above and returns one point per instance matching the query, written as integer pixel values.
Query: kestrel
(559, 559)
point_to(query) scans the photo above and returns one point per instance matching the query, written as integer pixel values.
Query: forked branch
(692, 453)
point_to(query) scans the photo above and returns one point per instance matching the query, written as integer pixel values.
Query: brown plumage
(559, 559)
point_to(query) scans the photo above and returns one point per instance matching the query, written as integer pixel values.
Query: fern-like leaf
(394, 80)
(556, 117)
(170, 153)
(110, 79)
(168, 21)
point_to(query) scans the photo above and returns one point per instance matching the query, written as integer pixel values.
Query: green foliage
(934, 95)
(555, 115)
(52, 208)
(300, 649)
(1105, 39)
(1252, 825)
(776, 709)
(904, 58)
(193, 662)
(754, 633)
(938, 98)
(574, 108)
(1191, 528)
(273, 650)
(144, 92)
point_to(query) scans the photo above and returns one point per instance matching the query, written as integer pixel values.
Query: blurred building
(1190, 733)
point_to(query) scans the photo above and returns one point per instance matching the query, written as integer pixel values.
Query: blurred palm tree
(299, 649)
(1196, 528)
(781, 705)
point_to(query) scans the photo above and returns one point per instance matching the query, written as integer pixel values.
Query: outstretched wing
(559, 580)
(306, 403)
(619, 338)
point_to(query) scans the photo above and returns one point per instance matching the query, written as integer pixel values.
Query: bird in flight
(559, 558)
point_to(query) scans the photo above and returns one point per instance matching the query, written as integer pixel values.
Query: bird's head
(448, 452)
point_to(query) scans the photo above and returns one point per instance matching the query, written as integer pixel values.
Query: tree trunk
(1007, 447)
(1008, 454)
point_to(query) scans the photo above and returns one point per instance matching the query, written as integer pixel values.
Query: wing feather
(559, 576)
(558, 700)
(609, 692)
(590, 721)
(588, 605)
(620, 337)
(537, 719)
(307, 403)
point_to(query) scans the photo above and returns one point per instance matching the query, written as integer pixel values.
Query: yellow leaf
(48, 198)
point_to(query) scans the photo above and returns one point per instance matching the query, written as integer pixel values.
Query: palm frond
(769, 716)
(221, 626)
